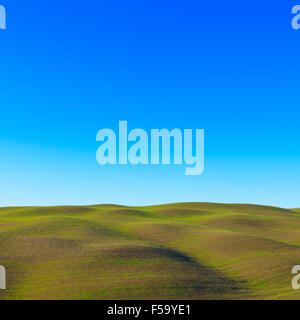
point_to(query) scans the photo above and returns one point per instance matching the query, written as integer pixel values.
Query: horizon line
(148, 205)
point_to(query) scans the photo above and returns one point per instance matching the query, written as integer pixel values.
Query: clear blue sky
(71, 68)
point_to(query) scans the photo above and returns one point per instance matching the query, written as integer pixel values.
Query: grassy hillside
(176, 251)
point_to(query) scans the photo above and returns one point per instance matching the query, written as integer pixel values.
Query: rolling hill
(175, 251)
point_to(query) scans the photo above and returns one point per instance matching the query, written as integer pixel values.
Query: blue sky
(71, 68)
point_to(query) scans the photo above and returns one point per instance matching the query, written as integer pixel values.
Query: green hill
(176, 251)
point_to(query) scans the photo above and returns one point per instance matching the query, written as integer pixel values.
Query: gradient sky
(70, 68)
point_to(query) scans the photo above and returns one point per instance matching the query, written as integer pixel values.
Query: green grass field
(176, 251)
